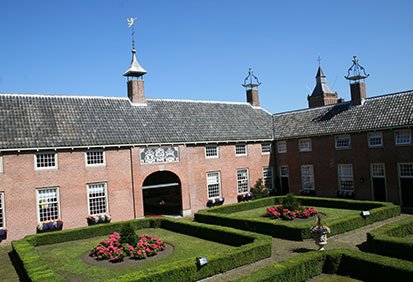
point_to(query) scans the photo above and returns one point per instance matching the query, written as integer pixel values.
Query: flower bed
(115, 251)
(215, 202)
(98, 218)
(245, 197)
(280, 212)
(52, 225)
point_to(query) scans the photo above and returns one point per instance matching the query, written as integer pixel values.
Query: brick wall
(20, 180)
(324, 158)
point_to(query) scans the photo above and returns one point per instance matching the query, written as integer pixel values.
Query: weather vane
(131, 21)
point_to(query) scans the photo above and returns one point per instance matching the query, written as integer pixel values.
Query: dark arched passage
(162, 194)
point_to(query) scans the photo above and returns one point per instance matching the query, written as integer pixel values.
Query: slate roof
(381, 112)
(40, 121)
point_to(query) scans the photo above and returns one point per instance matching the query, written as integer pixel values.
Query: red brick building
(67, 157)
(362, 148)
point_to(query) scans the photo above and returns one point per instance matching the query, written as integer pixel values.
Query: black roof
(50, 121)
(381, 112)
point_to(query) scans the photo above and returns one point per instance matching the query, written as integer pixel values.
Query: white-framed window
(403, 137)
(45, 160)
(48, 204)
(282, 146)
(211, 151)
(214, 184)
(406, 170)
(342, 141)
(2, 213)
(375, 139)
(283, 171)
(265, 148)
(240, 149)
(1, 164)
(377, 170)
(95, 158)
(345, 177)
(242, 180)
(304, 145)
(267, 176)
(307, 177)
(97, 196)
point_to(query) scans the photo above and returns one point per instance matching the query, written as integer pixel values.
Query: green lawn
(329, 214)
(65, 259)
(333, 278)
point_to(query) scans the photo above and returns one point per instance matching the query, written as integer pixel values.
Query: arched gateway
(162, 194)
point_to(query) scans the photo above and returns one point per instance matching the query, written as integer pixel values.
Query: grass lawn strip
(66, 258)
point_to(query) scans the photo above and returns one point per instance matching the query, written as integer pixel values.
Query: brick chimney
(251, 84)
(358, 93)
(356, 76)
(252, 97)
(136, 91)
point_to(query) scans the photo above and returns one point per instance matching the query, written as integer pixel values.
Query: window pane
(375, 140)
(342, 141)
(95, 157)
(242, 180)
(406, 170)
(307, 177)
(45, 160)
(97, 198)
(377, 170)
(282, 146)
(213, 184)
(304, 145)
(48, 205)
(267, 176)
(345, 177)
(403, 137)
(240, 149)
(266, 148)
(284, 171)
(211, 151)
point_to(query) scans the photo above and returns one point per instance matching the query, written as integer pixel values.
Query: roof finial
(135, 69)
(249, 78)
(356, 72)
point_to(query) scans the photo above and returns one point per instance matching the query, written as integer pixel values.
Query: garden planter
(215, 202)
(54, 225)
(98, 219)
(3, 234)
(244, 197)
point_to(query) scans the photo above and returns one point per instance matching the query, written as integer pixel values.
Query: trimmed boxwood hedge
(391, 239)
(222, 216)
(358, 265)
(251, 247)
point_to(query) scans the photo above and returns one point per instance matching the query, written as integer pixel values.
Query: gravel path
(282, 249)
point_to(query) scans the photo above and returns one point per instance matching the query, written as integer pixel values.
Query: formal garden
(227, 237)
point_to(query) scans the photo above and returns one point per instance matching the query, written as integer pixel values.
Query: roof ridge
(200, 101)
(407, 92)
(62, 96)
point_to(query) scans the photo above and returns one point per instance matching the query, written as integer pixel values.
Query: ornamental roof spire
(135, 69)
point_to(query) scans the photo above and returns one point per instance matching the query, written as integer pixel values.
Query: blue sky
(201, 50)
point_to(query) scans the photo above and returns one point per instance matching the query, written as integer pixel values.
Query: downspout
(133, 184)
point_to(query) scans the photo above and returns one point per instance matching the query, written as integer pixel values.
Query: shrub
(259, 190)
(391, 239)
(290, 202)
(128, 235)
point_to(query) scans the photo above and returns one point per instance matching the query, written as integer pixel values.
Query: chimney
(136, 91)
(252, 88)
(358, 93)
(252, 97)
(356, 75)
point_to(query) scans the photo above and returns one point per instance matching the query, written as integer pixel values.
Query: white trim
(246, 149)
(338, 176)
(271, 170)
(248, 180)
(1, 164)
(211, 146)
(160, 185)
(278, 147)
(57, 198)
(266, 143)
(219, 183)
(375, 134)
(343, 136)
(92, 151)
(56, 164)
(310, 168)
(106, 196)
(3, 209)
(309, 149)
